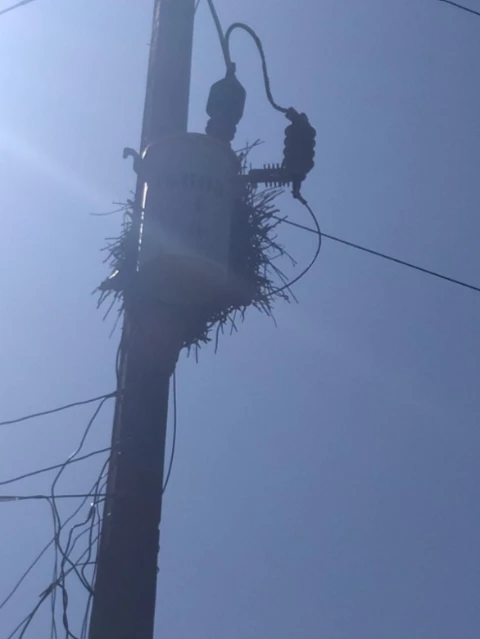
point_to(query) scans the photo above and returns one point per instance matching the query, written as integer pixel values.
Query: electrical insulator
(299, 151)
(225, 107)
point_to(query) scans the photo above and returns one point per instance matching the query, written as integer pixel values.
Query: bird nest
(255, 255)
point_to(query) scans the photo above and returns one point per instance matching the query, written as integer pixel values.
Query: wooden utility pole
(125, 585)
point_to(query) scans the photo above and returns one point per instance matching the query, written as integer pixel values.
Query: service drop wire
(383, 256)
(52, 411)
(71, 458)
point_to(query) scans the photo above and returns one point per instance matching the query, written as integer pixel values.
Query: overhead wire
(60, 577)
(51, 499)
(51, 468)
(88, 563)
(59, 581)
(221, 35)
(53, 496)
(44, 550)
(381, 255)
(52, 411)
(174, 436)
(15, 6)
(461, 6)
(43, 597)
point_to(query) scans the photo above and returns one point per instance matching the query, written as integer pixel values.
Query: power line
(52, 411)
(382, 255)
(55, 467)
(462, 7)
(4, 602)
(221, 36)
(10, 498)
(15, 6)
(43, 597)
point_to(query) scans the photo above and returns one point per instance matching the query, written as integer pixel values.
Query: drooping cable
(312, 262)
(44, 550)
(258, 42)
(174, 436)
(43, 597)
(58, 582)
(53, 496)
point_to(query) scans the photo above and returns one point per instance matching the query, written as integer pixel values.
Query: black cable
(221, 36)
(43, 597)
(50, 468)
(29, 618)
(382, 255)
(58, 410)
(58, 546)
(462, 7)
(258, 42)
(11, 498)
(59, 578)
(86, 619)
(45, 549)
(319, 233)
(70, 547)
(15, 6)
(174, 438)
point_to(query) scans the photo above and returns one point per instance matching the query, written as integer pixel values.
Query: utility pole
(125, 586)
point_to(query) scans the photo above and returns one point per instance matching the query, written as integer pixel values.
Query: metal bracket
(137, 160)
(272, 175)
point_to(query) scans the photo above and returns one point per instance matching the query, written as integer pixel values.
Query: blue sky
(326, 478)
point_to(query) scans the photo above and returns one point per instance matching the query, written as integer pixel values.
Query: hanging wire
(174, 437)
(43, 597)
(318, 232)
(45, 549)
(258, 42)
(60, 573)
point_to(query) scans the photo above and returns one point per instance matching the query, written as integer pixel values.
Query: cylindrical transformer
(191, 181)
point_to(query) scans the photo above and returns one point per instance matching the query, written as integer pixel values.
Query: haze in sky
(326, 480)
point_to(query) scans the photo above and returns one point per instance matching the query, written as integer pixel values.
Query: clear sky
(326, 482)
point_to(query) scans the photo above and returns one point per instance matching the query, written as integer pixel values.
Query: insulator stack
(225, 107)
(299, 151)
